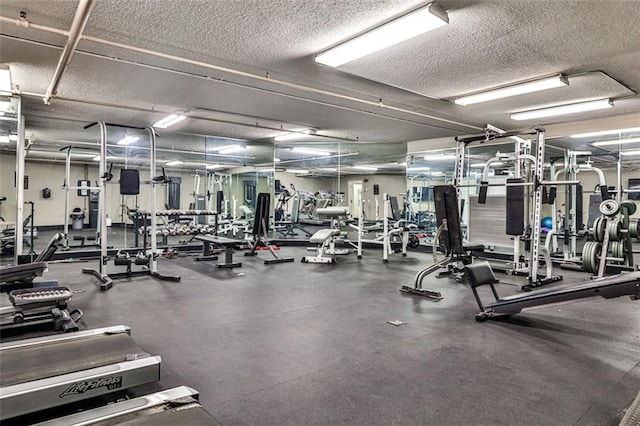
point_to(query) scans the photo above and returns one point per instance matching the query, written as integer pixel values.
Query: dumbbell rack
(166, 230)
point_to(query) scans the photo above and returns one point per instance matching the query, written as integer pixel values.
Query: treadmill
(45, 372)
(177, 406)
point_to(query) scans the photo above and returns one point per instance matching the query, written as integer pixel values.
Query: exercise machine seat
(323, 235)
(480, 273)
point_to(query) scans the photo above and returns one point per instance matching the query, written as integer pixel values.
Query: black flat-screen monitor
(634, 185)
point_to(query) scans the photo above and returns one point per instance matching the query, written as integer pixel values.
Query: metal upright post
(102, 198)
(67, 177)
(20, 154)
(386, 242)
(538, 178)
(153, 265)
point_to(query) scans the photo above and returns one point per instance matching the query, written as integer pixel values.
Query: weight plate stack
(591, 256)
(598, 229)
(629, 205)
(609, 208)
(614, 229)
(618, 249)
(633, 228)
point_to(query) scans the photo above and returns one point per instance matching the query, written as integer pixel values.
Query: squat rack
(538, 184)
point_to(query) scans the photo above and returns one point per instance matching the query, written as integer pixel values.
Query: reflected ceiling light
(270, 170)
(517, 89)
(173, 163)
(128, 140)
(277, 160)
(311, 151)
(634, 152)
(398, 30)
(231, 149)
(419, 169)
(297, 171)
(5, 80)
(328, 169)
(437, 174)
(606, 132)
(479, 165)
(563, 109)
(615, 142)
(373, 169)
(437, 157)
(215, 166)
(295, 134)
(169, 120)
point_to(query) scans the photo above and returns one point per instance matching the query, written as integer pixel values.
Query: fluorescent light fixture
(479, 165)
(128, 140)
(516, 89)
(169, 121)
(563, 109)
(96, 158)
(419, 169)
(437, 174)
(215, 166)
(5, 80)
(400, 29)
(606, 132)
(270, 170)
(311, 151)
(437, 157)
(634, 152)
(292, 136)
(231, 149)
(277, 160)
(373, 169)
(328, 169)
(615, 142)
(297, 171)
(173, 163)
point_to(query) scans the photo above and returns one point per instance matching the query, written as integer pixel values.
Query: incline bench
(214, 241)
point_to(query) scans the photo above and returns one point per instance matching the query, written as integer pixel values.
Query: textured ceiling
(489, 43)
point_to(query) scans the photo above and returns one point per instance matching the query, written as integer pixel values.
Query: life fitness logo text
(110, 383)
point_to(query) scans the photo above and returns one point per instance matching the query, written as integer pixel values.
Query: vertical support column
(19, 236)
(67, 177)
(153, 263)
(386, 241)
(360, 222)
(538, 177)
(102, 198)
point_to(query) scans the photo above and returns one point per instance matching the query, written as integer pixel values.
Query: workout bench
(326, 238)
(213, 241)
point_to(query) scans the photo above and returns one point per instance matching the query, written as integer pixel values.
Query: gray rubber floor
(307, 344)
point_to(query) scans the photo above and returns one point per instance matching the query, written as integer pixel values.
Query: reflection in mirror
(425, 170)
(8, 204)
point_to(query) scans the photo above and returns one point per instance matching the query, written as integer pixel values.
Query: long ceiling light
(312, 151)
(231, 149)
(169, 120)
(128, 140)
(173, 163)
(5, 80)
(215, 166)
(615, 142)
(634, 152)
(563, 109)
(369, 168)
(517, 89)
(606, 132)
(297, 171)
(403, 28)
(293, 136)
